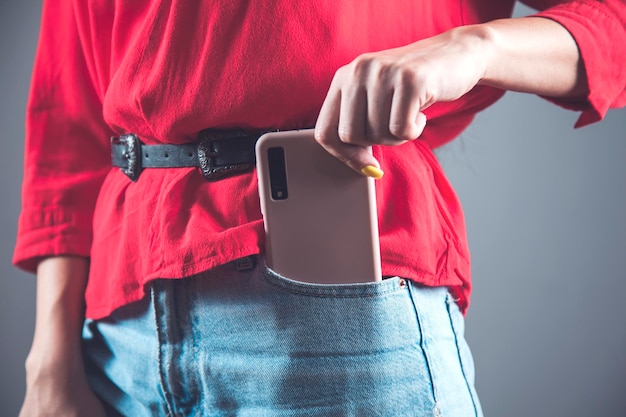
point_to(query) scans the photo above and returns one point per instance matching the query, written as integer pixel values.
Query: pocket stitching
(372, 290)
(449, 301)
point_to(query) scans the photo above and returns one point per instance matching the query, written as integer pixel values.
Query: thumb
(359, 158)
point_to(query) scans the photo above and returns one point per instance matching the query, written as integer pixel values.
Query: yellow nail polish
(372, 171)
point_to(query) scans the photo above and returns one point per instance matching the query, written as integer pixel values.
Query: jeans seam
(449, 300)
(195, 349)
(169, 406)
(422, 343)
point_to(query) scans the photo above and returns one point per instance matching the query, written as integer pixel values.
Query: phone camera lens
(278, 173)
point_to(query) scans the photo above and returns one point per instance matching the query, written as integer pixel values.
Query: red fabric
(166, 70)
(599, 28)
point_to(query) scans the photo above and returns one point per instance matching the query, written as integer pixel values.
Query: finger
(405, 122)
(327, 135)
(352, 115)
(328, 119)
(356, 157)
(379, 104)
(420, 122)
(359, 158)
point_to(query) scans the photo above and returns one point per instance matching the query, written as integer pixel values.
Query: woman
(234, 338)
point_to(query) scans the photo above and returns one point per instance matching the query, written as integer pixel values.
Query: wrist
(55, 344)
(42, 365)
(56, 347)
(531, 55)
(480, 41)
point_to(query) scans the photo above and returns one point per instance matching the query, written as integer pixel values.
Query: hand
(379, 98)
(56, 383)
(62, 393)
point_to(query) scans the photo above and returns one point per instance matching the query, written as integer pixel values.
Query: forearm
(56, 383)
(61, 285)
(532, 55)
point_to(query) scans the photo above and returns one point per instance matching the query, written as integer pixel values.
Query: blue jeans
(253, 343)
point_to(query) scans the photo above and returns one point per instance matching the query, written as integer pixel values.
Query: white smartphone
(320, 216)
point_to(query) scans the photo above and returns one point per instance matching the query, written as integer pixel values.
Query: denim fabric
(253, 343)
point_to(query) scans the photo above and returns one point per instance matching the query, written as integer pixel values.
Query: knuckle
(400, 131)
(340, 74)
(346, 135)
(406, 77)
(361, 66)
(403, 132)
(420, 77)
(343, 69)
(322, 135)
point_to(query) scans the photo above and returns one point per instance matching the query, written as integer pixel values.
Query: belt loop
(246, 263)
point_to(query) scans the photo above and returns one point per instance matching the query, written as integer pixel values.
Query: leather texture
(218, 153)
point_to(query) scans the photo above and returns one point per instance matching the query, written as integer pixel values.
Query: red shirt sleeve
(599, 28)
(66, 152)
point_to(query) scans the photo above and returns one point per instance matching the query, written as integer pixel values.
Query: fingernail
(372, 171)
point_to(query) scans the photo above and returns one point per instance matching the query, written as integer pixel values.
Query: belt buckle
(209, 153)
(131, 154)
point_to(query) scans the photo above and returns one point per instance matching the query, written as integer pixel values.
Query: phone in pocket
(319, 215)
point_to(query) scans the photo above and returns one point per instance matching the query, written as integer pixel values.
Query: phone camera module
(278, 173)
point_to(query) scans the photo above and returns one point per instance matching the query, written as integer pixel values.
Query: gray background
(546, 213)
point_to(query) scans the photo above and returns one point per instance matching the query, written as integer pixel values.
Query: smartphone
(319, 215)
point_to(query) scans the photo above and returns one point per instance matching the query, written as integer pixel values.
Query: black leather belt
(218, 153)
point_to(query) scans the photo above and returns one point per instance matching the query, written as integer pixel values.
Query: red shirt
(166, 70)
